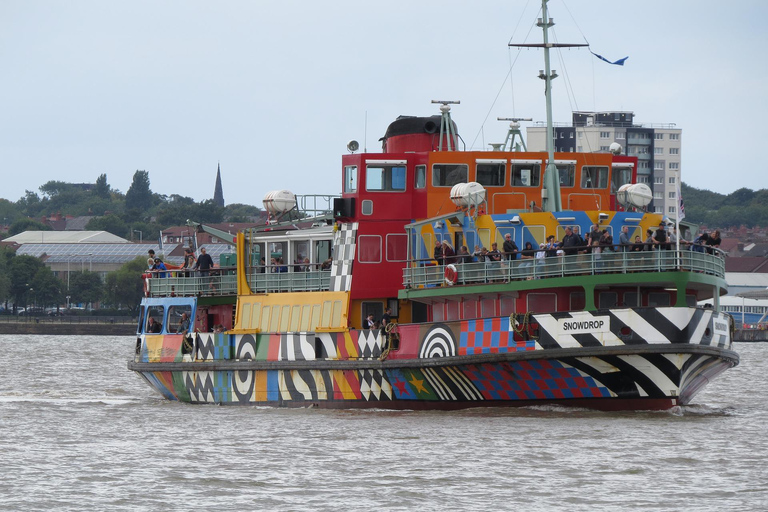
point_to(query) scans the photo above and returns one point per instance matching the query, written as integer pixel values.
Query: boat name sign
(593, 325)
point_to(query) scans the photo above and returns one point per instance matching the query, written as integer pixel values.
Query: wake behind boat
(386, 303)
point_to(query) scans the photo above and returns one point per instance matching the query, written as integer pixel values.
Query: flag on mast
(680, 204)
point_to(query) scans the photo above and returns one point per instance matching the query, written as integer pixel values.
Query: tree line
(137, 213)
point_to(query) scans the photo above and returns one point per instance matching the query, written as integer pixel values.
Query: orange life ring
(451, 274)
(145, 277)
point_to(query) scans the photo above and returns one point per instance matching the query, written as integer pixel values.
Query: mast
(550, 195)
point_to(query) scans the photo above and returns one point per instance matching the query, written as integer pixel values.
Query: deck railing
(426, 274)
(222, 282)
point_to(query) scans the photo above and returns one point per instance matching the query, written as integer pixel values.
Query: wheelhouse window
(350, 178)
(420, 177)
(154, 319)
(567, 173)
(525, 174)
(621, 176)
(491, 174)
(385, 178)
(175, 321)
(594, 177)
(448, 175)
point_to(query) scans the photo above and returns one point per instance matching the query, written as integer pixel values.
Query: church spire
(218, 194)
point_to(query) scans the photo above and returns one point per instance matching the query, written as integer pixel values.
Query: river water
(79, 431)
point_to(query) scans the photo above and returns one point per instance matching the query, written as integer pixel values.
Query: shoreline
(117, 327)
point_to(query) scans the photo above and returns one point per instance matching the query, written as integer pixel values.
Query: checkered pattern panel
(369, 343)
(490, 336)
(343, 255)
(374, 385)
(533, 380)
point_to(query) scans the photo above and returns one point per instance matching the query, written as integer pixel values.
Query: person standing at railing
(624, 242)
(510, 247)
(438, 252)
(464, 256)
(448, 253)
(160, 268)
(713, 240)
(204, 263)
(571, 242)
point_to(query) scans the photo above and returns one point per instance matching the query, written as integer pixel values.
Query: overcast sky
(274, 90)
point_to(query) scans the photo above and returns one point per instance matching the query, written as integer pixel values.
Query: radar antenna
(512, 133)
(446, 125)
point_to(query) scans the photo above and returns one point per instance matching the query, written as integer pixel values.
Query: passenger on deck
(327, 264)
(386, 317)
(551, 246)
(478, 254)
(204, 263)
(638, 245)
(659, 238)
(624, 242)
(510, 247)
(160, 268)
(527, 255)
(714, 241)
(464, 256)
(369, 323)
(438, 252)
(448, 253)
(582, 244)
(649, 246)
(571, 242)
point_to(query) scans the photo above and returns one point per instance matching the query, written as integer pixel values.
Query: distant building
(218, 193)
(657, 147)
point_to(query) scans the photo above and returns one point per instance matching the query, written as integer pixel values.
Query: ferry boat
(289, 324)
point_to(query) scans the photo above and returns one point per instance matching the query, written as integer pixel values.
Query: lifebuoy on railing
(451, 275)
(145, 277)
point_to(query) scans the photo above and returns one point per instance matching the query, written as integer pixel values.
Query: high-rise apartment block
(657, 148)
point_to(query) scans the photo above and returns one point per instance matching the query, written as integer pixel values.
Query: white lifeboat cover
(467, 194)
(279, 201)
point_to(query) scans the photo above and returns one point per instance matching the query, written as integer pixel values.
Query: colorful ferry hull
(588, 359)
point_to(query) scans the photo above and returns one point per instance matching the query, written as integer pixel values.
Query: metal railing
(426, 274)
(223, 282)
(313, 280)
(190, 283)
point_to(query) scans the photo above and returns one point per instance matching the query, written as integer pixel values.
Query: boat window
(175, 320)
(524, 175)
(421, 176)
(491, 174)
(578, 301)
(350, 178)
(567, 173)
(452, 310)
(656, 300)
(438, 312)
(371, 308)
(507, 305)
(369, 249)
(608, 300)
(295, 318)
(322, 251)
(300, 253)
(470, 308)
(366, 207)
(448, 175)
(141, 319)
(390, 178)
(542, 302)
(632, 299)
(594, 177)
(487, 307)
(306, 317)
(154, 319)
(397, 247)
(620, 176)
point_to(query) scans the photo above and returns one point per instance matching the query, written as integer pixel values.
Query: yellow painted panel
(273, 312)
(306, 316)
(256, 316)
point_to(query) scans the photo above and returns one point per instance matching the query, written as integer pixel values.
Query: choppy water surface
(79, 431)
